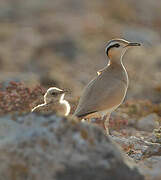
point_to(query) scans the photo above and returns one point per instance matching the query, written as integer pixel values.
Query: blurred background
(61, 43)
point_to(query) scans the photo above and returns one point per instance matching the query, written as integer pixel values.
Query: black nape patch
(112, 46)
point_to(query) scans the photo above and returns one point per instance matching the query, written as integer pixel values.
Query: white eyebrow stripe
(54, 88)
(111, 45)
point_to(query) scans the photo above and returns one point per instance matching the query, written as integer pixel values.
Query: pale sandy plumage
(107, 90)
(53, 102)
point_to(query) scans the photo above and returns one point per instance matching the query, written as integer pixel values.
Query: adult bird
(107, 90)
(53, 101)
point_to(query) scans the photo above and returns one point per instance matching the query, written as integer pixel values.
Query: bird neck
(66, 104)
(115, 62)
(116, 57)
(117, 66)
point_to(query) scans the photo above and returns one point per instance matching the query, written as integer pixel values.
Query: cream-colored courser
(107, 90)
(54, 101)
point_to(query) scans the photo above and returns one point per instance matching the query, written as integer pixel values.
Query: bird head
(53, 95)
(117, 47)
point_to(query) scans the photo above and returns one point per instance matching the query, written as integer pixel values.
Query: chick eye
(54, 94)
(117, 45)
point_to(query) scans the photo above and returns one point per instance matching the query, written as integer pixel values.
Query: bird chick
(53, 101)
(107, 90)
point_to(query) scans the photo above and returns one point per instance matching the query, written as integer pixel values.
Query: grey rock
(148, 123)
(156, 136)
(150, 167)
(139, 146)
(9, 129)
(52, 147)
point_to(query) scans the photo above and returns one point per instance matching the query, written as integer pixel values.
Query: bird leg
(106, 123)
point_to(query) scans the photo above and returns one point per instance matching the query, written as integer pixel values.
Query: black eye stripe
(116, 45)
(112, 46)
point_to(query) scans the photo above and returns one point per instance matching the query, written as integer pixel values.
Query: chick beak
(64, 91)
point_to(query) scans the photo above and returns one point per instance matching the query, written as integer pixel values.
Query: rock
(52, 147)
(138, 148)
(148, 123)
(150, 167)
(156, 136)
(9, 128)
(152, 149)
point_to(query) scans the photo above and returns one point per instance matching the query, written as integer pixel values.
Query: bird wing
(102, 93)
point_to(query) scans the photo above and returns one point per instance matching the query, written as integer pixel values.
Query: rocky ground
(52, 147)
(30, 142)
(61, 43)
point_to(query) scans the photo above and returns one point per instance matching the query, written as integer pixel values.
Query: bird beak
(133, 44)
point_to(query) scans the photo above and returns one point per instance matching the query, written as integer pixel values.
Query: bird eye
(117, 45)
(53, 94)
